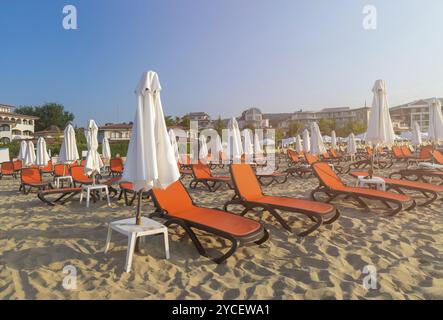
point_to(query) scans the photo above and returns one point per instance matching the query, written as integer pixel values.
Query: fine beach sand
(38, 241)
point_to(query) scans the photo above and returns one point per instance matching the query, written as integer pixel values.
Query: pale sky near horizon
(219, 56)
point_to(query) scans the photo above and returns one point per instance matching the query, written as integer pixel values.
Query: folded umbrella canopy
(106, 149)
(352, 145)
(150, 161)
(29, 154)
(306, 141)
(435, 132)
(22, 152)
(173, 139)
(42, 156)
(235, 148)
(68, 149)
(380, 130)
(248, 146)
(203, 149)
(333, 140)
(298, 146)
(216, 145)
(317, 145)
(416, 134)
(93, 162)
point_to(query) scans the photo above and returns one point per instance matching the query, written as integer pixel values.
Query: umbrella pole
(371, 169)
(138, 221)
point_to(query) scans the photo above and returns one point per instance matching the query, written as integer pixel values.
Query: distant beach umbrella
(22, 152)
(106, 149)
(68, 149)
(435, 132)
(203, 150)
(248, 146)
(258, 150)
(217, 145)
(235, 148)
(380, 130)
(93, 162)
(42, 156)
(333, 140)
(173, 139)
(306, 141)
(29, 155)
(352, 145)
(317, 145)
(298, 146)
(416, 134)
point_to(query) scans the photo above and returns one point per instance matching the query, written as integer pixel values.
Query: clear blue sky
(219, 56)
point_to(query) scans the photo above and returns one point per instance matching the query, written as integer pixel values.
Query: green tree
(185, 122)
(48, 114)
(218, 125)
(294, 128)
(170, 121)
(326, 126)
(250, 126)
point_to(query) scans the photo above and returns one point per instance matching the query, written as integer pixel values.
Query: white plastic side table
(129, 228)
(62, 178)
(89, 188)
(363, 181)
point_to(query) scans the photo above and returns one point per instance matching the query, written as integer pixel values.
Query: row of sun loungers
(175, 205)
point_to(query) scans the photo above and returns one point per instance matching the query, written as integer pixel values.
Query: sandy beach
(38, 241)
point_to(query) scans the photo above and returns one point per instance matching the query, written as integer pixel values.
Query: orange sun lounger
(116, 166)
(249, 195)
(7, 169)
(202, 174)
(32, 178)
(333, 187)
(176, 206)
(429, 191)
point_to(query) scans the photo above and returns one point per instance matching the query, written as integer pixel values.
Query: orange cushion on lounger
(220, 220)
(308, 205)
(176, 201)
(248, 187)
(127, 185)
(405, 183)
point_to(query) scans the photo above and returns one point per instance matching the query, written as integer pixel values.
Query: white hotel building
(14, 126)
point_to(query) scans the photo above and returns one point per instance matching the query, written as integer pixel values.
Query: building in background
(14, 126)
(204, 120)
(253, 117)
(404, 116)
(51, 134)
(115, 132)
(341, 116)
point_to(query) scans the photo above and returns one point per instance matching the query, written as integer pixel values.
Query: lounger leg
(279, 218)
(108, 238)
(130, 253)
(88, 196)
(107, 196)
(318, 220)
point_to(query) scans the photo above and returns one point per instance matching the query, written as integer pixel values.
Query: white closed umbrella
(333, 140)
(234, 142)
(93, 162)
(317, 145)
(22, 152)
(150, 162)
(352, 145)
(42, 156)
(435, 132)
(298, 146)
(306, 141)
(106, 149)
(217, 145)
(29, 154)
(68, 149)
(173, 139)
(248, 146)
(380, 130)
(416, 134)
(203, 150)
